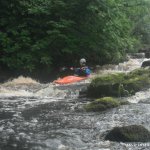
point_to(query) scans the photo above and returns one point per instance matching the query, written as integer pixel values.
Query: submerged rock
(133, 133)
(102, 104)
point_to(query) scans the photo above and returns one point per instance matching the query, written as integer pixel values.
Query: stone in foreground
(133, 133)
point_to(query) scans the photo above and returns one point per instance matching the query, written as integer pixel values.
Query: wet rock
(105, 86)
(102, 104)
(133, 133)
(146, 64)
(119, 84)
(6, 115)
(83, 92)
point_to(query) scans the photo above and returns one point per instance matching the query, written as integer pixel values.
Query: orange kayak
(69, 79)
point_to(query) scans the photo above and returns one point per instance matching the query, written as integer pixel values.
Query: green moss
(133, 133)
(119, 84)
(102, 104)
(137, 83)
(108, 79)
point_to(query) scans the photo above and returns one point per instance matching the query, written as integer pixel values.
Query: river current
(35, 116)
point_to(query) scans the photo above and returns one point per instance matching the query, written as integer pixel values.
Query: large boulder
(133, 133)
(146, 64)
(119, 84)
(105, 85)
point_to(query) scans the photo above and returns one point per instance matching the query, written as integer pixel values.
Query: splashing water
(35, 116)
(127, 66)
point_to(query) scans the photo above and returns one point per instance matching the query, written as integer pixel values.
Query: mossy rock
(119, 84)
(102, 104)
(133, 133)
(105, 86)
(139, 72)
(137, 80)
(136, 84)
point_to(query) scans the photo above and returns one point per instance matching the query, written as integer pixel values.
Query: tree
(52, 33)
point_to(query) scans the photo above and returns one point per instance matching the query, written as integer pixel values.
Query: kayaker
(83, 70)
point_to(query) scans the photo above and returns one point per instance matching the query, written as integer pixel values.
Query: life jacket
(83, 71)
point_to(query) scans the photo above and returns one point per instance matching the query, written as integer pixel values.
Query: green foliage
(138, 12)
(50, 33)
(120, 84)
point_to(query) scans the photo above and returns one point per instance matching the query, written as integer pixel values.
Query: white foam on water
(45, 93)
(4, 92)
(24, 86)
(21, 80)
(50, 92)
(130, 65)
(127, 66)
(139, 96)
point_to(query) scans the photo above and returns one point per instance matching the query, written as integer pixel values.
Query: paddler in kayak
(83, 70)
(79, 74)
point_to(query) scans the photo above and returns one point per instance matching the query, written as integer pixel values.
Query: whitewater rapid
(36, 116)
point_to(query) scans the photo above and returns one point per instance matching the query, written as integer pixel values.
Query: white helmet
(82, 61)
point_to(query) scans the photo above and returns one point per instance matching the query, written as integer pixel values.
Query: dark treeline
(38, 34)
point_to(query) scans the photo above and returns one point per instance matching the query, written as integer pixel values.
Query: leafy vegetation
(51, 33)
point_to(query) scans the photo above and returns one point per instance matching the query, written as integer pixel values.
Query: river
(36, 116)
